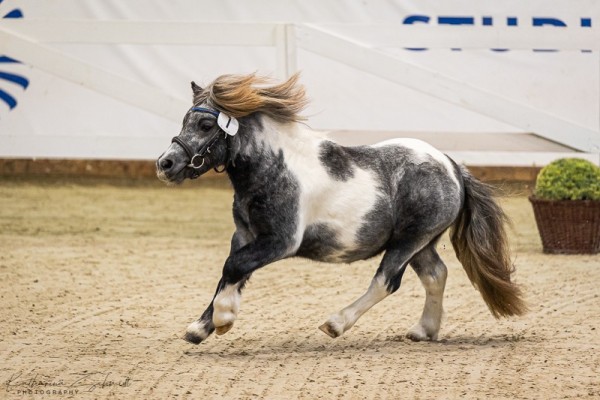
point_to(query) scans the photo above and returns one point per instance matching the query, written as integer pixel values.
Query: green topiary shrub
(568, 179)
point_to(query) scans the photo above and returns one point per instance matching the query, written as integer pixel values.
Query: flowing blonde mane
(241, 95)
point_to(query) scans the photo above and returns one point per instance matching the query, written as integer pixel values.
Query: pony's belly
(325, 253)
(322, 242)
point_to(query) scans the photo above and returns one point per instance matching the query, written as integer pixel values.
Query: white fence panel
(358, 45)
(364, 57)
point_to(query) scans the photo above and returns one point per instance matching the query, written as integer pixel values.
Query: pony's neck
(267, 146)
(291, 136)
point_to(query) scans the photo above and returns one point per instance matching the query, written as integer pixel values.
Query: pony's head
(215, 127)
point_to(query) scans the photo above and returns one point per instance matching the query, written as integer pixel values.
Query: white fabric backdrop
(56, 118)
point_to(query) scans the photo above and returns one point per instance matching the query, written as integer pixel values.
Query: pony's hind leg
(340, 322)
(432, 272)
(385, 282)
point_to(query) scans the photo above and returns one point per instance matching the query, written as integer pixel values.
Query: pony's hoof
(415, 338)
(197, 331)
(193, 338)
(417, 334)
(330, 330)
(220, 330)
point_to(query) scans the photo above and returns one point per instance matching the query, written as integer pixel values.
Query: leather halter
(197, 159)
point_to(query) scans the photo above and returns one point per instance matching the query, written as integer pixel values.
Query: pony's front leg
(226, 302)
(203, 327)
(226, 305)
(222, 312)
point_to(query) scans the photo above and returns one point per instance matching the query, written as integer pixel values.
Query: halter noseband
(197, 159)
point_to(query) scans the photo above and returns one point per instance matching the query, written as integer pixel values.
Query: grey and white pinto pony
(298, 194)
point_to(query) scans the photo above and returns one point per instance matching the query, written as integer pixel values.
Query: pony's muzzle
(164, 167)
(168, 166)
(165, 164)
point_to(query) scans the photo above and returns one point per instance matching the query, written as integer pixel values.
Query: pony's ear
(195, 88)
(197, 92)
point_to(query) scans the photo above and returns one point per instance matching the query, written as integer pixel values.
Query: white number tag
(229, 124)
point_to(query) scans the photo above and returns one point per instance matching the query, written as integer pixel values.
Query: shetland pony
(300, 195)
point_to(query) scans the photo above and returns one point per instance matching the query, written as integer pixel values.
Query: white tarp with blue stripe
(42, 115)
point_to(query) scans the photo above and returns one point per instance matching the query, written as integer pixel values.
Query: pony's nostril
(166, 164)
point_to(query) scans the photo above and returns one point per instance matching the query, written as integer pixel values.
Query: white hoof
(220, 330)
(223, 322)
(226, 305)
(334, 327)
(418, 333)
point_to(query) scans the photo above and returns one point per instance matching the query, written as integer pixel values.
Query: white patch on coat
(422, 148)
(341, 205)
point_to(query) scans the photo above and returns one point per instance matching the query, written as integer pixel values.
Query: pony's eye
(206, 125)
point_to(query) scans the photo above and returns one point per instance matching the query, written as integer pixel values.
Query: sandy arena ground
(98, 283)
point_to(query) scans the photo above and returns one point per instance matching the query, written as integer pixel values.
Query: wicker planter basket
(568, 226)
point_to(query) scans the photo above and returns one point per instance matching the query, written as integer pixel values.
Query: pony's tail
(479, 240)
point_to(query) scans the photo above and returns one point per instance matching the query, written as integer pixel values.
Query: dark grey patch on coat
(375, 232)
(336, 161)
(319, 242)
